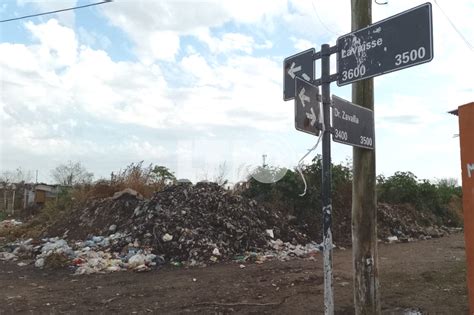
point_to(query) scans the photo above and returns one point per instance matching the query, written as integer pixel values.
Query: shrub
(403, 187)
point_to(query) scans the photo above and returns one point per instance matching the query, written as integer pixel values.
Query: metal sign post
(401, 41)
(308, 120)
(326, 180)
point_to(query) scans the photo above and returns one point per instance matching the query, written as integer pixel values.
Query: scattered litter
(39, 263)
(167, 237)
(9, 223)
(184, 225)
(286, 250)
(392, 239)
(7, 256)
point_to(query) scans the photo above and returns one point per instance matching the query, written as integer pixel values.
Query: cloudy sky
(193, 84)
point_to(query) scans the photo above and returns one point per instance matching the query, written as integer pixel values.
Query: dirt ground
(427, 276)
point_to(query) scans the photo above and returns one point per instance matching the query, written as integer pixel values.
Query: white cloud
(93, 39)
(267, 44)
(164, 45)
(229, 42)
(406, 114)
(301, 44)
(63, 95)
(59, 90)
(58, 43)
(187, 16)
(143, 21)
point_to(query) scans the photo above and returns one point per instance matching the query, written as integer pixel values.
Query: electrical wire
(321, 21)
(56, 11)
(300, 162)
(471, 47)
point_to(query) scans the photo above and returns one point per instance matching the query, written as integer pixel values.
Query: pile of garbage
(84, 257)
(185, 224)
(403, 223)
(190, 225)
(95, 255)
(206, 222)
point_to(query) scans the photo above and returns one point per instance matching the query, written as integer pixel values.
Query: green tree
(161, 174)
(402, 187)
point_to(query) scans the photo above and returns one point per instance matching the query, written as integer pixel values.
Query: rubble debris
(407, 224)
(204, 217)
(127, 193)
(189, 225)
(113, 228)
(167, 237)
(285, 250)
(54, 253)
(5, 224)
(39, 263)
(392, 239)
(7, 256)
(184, 223)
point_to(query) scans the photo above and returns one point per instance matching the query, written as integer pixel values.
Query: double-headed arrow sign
(300, 65)
(306, 107)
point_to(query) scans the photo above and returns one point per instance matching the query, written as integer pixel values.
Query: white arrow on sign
(311, 116)
(303, 97)
(293, 69)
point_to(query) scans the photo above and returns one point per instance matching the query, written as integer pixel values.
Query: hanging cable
(321, 21)
(469, 45)
(56, 11)
(300, 162)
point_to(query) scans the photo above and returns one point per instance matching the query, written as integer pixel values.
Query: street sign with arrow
(307, 107)
(300, 65)
(398, 42)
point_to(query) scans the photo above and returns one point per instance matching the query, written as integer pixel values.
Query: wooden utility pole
(364, 201)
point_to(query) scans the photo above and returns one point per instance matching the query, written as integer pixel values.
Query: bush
(144, 179)
(403, 187)
(284, 195)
